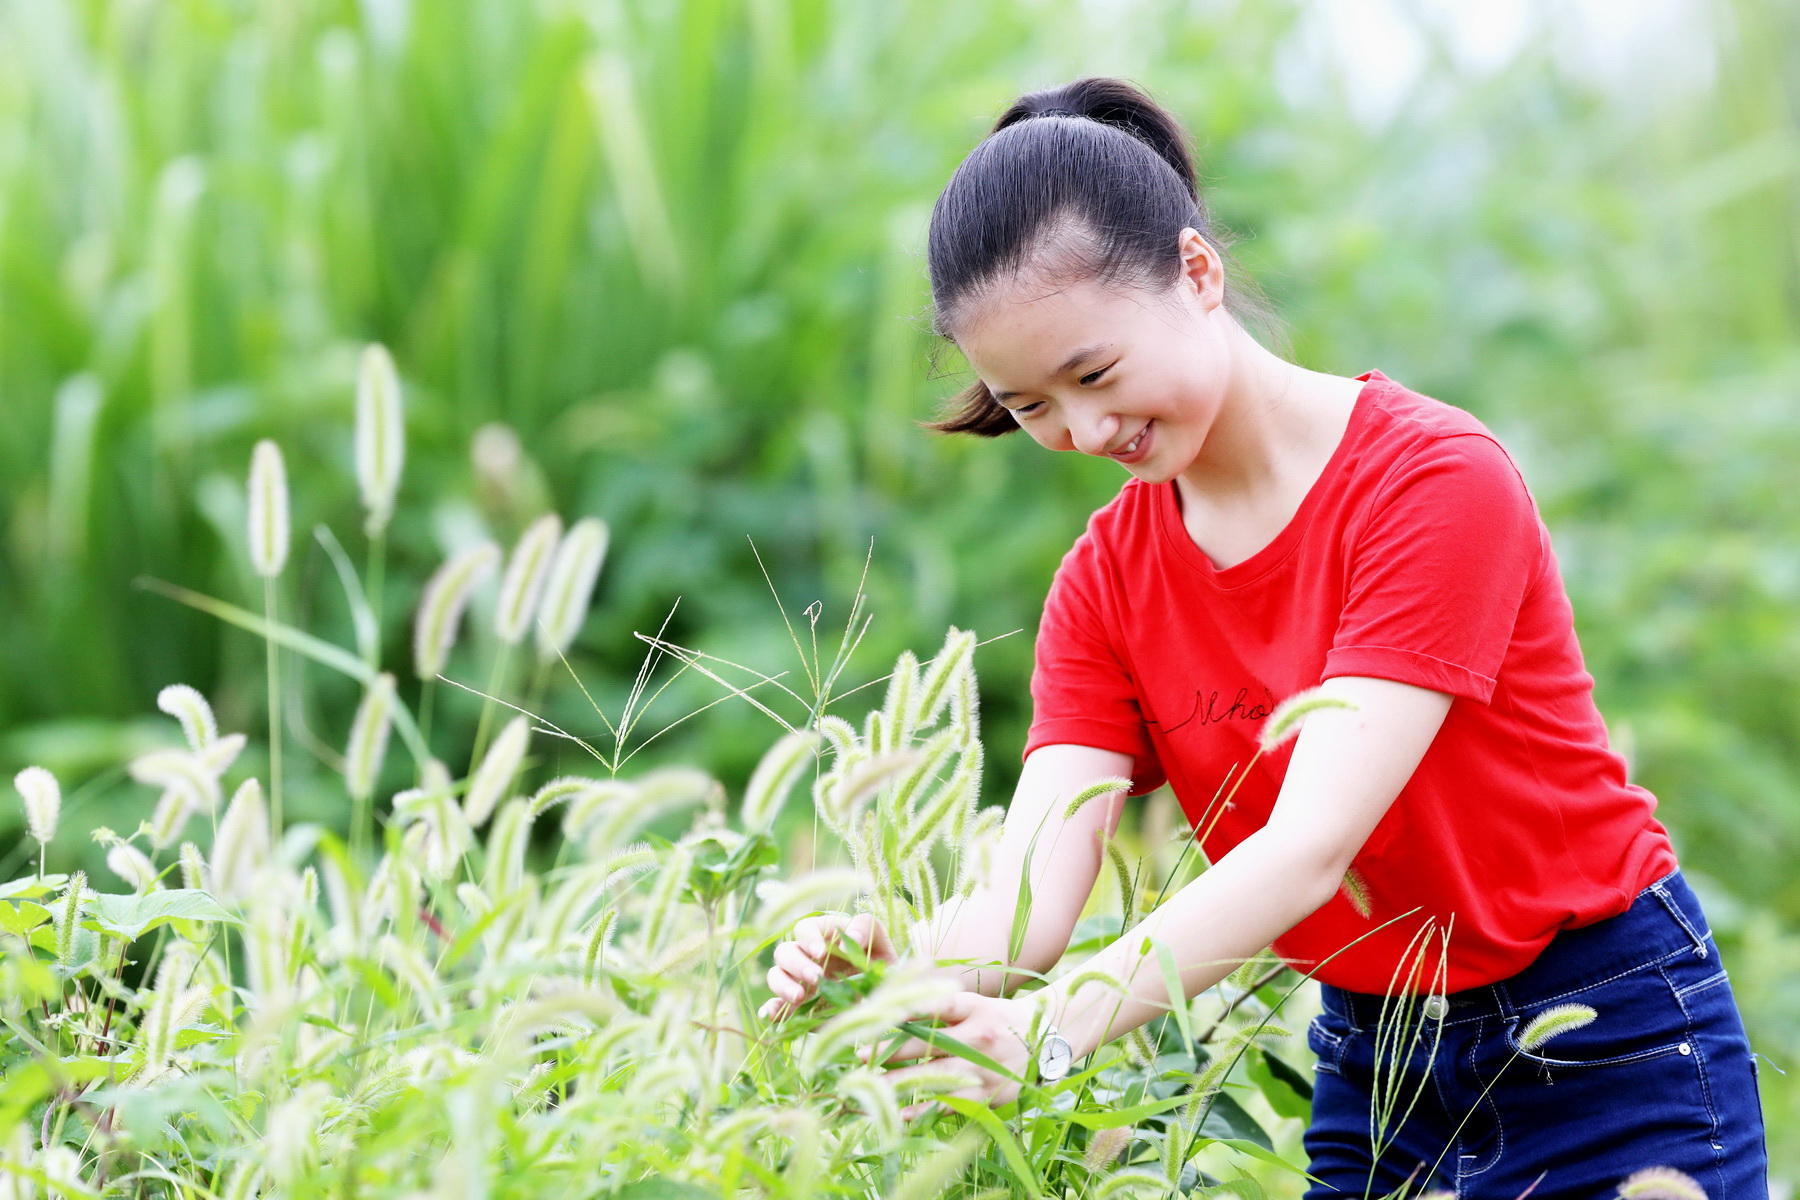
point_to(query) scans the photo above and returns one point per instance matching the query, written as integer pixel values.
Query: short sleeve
(1439, 570)
(1081, 692)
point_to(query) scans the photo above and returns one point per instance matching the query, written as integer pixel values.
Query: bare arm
(1063, 856)
(1345, 771)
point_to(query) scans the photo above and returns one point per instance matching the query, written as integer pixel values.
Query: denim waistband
(1664, 920)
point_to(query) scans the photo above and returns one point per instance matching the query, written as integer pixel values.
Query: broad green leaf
(1226, 1118)
(32, 886)
(131, 917)
(1287, 1092)
(23, 917)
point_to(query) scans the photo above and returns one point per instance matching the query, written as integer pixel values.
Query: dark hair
(1090, 180)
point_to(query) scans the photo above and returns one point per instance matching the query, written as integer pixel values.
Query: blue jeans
(1663, 1077)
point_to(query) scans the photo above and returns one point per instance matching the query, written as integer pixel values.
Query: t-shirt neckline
(1168, 507)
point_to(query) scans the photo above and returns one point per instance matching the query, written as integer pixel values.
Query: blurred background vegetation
(666, 258)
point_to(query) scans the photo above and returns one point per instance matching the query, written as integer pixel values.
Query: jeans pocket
(1637, 1016)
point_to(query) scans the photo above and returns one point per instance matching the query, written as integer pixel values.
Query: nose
(1093, 431)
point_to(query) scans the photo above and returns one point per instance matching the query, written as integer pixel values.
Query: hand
(996, 1026)
(814, 954)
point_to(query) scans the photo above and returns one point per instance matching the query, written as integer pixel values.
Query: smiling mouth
(1135, 448)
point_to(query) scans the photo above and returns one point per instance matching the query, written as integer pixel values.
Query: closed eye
(1025, 410)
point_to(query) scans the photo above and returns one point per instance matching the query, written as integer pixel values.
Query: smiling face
(1121, 372)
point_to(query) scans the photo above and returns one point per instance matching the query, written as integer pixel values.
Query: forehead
(1017, 330)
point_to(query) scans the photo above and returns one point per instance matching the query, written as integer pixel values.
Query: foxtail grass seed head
(369, 737)
(380, 435)
(268, 510)
(1356, 891)
(242, 844)
(940, 677)
(178, 771)
(172, 813)
(193, 867)
(1093, 791)
(1105, 1146)
(775, 776)
(37, 787)
(526, 572)
(570, 588)
(218, 755)
(1661, 1183)
(190, 708)
(1554, 1021)
(67, 918)
(1291, 713)
(128, 863)
(441, 606)
(489, 784)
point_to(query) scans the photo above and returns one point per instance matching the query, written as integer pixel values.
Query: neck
(1274, 420)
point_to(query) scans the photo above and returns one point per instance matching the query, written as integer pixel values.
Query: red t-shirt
(1418, 555)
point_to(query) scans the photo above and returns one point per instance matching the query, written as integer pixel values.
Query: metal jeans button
(1436, 1007)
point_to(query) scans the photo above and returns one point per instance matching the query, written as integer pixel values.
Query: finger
(774, 1010)
(802, 969)
(785, 986)
(810, 933)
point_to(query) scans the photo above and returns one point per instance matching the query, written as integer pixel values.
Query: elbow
(1315, 872)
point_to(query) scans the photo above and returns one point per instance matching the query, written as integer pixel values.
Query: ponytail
(1090, 180)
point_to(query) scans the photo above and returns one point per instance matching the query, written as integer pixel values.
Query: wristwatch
(1055, 1056)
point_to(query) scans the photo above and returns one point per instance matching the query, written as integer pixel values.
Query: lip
(1144, 437)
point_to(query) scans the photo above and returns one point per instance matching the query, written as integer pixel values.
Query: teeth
(1131, 446)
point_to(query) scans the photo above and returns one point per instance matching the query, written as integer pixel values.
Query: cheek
(1051, 435)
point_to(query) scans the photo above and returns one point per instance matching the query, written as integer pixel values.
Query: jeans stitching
(1715, 1136)
(1681, 918)
(1487, 1098)
(1713, 980)
(1650, 963)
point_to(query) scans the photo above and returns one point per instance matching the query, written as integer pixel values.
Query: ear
(1202, 269)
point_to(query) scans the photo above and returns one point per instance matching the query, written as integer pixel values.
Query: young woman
(1285, 529)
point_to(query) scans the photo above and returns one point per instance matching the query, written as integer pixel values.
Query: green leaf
(665, 1189)
(1178, 1002)
(31, 885)
(1113, 1118)
(978, 1112)
(1226, 1119)
(1288, 1092)
(1263, 1154)
(23, 917)
(130, 917)
(1021, 914)
(317, 649)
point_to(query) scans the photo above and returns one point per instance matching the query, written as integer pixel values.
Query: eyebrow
(1068, 364)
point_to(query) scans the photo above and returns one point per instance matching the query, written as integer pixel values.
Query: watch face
(1055, 1057)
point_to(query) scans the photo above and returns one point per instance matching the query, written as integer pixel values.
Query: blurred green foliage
(676, 248)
